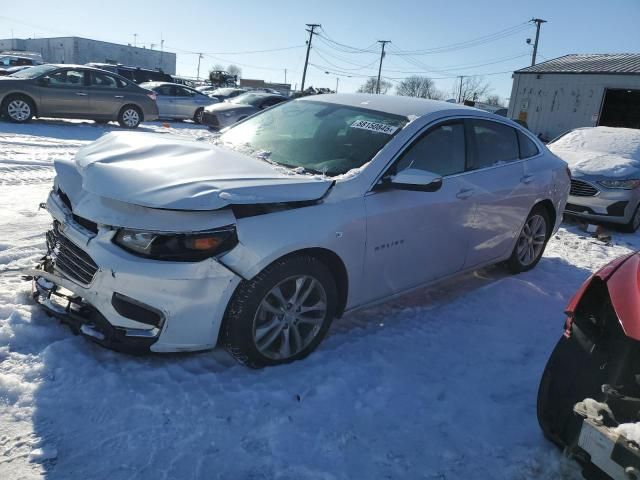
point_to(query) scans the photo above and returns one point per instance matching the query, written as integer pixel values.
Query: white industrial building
(578, 90)
(77, 50)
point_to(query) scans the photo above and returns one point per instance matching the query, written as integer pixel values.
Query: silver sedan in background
(605, 171)
(179, 102)
(227, 113)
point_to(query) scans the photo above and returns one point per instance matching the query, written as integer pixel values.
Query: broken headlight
(177, 247)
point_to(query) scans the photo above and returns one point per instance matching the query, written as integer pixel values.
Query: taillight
(152, 96)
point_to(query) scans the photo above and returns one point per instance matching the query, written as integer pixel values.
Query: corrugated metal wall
(552, 103)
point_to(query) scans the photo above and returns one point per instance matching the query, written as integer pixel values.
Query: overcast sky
(218, 28)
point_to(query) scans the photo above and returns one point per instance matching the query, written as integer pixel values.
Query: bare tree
(418, 86)
(234, 71)
(473, 88)
(217, 68)
(494, 100)
(370, 86)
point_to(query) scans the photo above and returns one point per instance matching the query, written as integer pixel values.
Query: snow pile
(604, 151)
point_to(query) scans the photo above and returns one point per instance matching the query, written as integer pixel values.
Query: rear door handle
(527, 179)
(465, 193)
(81, 94)
(118, 96)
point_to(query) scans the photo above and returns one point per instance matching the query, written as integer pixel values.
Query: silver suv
(74, 91)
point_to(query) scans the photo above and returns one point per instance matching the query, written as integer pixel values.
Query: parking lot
(442, 381)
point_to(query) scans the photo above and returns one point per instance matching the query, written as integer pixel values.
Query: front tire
(282, 314)
(18, 109)
(130, 117)
(531, 241)
(634, 223)
(197, 118)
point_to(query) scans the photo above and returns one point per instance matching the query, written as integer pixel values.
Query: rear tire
(18, 109)
(197, 118)
(282, 314)
(531, 241)
(130, 116)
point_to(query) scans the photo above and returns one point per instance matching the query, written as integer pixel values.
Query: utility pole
(285, 75)
(199, 58)
(312, 27)
(460, 91)
(135, 39)
(161, 51)
(337, 83)
(538, 22)
(383, 42)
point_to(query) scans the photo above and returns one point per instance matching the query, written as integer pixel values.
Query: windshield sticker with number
(374, 127)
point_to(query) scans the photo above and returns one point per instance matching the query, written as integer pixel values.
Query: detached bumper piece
(86, 320)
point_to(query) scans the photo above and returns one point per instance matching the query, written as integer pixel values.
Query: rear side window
(440, 151)
(527, 147)
(103, 81)
(495, 143)
(165, 90)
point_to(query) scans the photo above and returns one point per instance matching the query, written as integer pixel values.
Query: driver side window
(441, 151)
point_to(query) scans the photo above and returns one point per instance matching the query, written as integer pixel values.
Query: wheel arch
(336, 266)
(136, 106)
(547, 205)
(11, 95)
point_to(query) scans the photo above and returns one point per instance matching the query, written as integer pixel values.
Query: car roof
(393, 104)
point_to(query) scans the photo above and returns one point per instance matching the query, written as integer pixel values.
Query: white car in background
(179, 102)
(605, 170)
(301, 213)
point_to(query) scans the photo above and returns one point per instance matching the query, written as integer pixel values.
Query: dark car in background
(135, 74)
(75, 91)
(227, 113)
(225, 93)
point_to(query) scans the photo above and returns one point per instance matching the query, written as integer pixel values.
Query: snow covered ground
(437, 385)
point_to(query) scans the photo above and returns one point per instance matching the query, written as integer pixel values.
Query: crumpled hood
(160, 171)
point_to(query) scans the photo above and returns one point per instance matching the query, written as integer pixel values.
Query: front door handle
(81, 94)
(118, 96)
(527, 179)
(464, 193)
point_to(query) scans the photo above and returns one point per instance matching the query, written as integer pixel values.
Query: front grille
(73, 262)
(582, 189)
(211, 120)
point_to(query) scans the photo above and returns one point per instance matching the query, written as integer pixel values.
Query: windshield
(319, 137)
(34, 72)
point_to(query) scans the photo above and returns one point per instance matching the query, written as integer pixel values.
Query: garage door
(621, 108)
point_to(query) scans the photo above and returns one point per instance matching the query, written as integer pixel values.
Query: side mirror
(44, 81)
(415, 179)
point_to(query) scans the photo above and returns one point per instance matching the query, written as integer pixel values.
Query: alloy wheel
(19, 110)
(130, 117)
(289, 317)
(531, 240)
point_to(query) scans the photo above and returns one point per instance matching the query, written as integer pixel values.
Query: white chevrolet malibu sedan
(293, 217)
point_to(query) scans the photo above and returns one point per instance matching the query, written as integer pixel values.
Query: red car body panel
(625, 298)
(622, 276)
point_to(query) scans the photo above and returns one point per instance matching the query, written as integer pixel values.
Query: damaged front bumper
(84, 319)
(125, 302)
